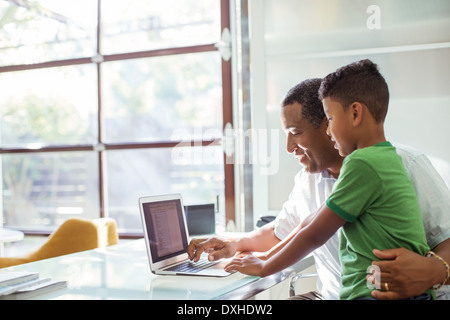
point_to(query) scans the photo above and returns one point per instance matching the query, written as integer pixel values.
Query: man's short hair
(306, 94)
(358, 82)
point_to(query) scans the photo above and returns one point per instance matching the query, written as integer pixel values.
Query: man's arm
(409, 274)
(324, 224)
(443, 250)
(281, 244)
(258, 240)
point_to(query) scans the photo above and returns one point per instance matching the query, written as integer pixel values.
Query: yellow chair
(72, 236)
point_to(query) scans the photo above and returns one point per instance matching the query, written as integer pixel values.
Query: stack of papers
(23, 285)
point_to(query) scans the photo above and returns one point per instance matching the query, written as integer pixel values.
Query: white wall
(293, 40)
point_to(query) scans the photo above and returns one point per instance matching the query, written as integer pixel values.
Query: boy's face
(339, 126)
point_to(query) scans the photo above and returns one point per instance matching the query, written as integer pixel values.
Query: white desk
(122, 272)
(8, 235)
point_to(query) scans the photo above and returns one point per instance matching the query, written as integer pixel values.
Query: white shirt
(311, 190)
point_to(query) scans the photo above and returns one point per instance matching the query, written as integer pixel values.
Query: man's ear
(357, 113)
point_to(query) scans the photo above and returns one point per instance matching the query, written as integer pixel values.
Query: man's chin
(310, 169)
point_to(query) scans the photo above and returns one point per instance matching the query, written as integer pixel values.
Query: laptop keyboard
(189, 266)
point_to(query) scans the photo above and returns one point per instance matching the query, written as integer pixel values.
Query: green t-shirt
(377, 199)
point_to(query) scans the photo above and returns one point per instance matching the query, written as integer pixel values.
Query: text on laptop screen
(165, 226)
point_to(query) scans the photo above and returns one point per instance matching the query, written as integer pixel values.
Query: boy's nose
(328, 131)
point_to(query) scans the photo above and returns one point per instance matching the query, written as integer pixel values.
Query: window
(293, 40)
(108, 101)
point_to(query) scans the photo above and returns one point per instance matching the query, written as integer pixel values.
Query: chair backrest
(76, 235)
(107, 231)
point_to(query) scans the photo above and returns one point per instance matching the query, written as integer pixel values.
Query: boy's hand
(249, 265)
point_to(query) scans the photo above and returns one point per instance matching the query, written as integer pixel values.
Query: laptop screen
(165, 227)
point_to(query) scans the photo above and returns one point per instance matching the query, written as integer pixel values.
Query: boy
(373, 198)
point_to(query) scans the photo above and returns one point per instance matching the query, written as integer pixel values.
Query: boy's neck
(371, 136)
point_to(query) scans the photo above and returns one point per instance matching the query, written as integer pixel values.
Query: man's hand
(216, 247)
(405, 273)
(249, 265)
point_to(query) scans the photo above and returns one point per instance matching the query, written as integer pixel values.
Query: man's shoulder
(407, 152)
(411, 157)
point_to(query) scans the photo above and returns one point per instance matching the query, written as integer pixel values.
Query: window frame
(101, 147)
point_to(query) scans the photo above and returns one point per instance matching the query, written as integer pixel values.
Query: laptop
(167, 239)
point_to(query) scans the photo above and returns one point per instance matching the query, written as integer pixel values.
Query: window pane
(45, 30)
(195, 172)
(305, 27)
(49, 106)
(308, 39)
(44, 189)
(153, 24)
(163, 98)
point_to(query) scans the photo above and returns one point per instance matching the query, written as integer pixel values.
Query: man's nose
(291, 145)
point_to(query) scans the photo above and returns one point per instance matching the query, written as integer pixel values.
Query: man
(407, 273)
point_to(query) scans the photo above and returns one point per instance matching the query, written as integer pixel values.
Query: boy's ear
(357, 113)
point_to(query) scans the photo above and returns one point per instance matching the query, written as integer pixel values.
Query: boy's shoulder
(375, 158)
(383, 150)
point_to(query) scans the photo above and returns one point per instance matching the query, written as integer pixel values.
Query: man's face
(313, 147)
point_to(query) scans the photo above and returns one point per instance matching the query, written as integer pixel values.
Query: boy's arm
(280, 245)
(324, 224)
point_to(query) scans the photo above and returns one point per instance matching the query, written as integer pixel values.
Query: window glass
(53, 106)
(307, 27)
(64, 89)
(195, 172)
(38, 31)
(409, 41)
(163, 98)
(44, 189)
(153, 24)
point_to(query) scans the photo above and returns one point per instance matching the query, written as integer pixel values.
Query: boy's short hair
(306, 94)
(358, 82)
